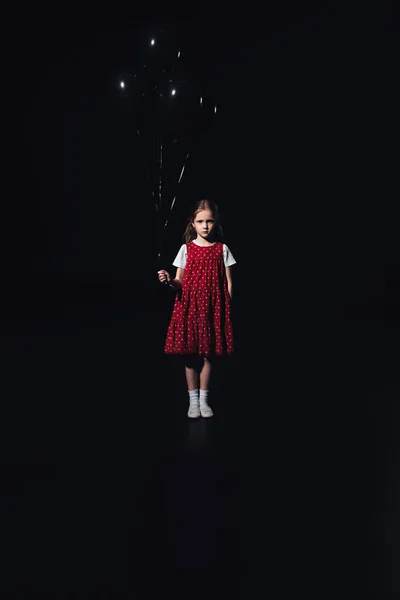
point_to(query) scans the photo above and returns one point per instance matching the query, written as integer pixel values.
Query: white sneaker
(194, 410)
(206, 411)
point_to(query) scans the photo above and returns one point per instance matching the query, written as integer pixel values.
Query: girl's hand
(164, 276)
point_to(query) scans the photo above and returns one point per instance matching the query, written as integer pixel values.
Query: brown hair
(190, 232)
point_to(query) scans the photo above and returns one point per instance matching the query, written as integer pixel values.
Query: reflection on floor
(291, 486)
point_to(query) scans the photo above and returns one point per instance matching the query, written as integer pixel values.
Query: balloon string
(172, 205)
(179, 180)
(151, 187)
(160, 173)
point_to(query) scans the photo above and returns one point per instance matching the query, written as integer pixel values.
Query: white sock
(204, 397)
(194, 396)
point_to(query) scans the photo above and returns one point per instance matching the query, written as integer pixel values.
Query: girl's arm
(228, 271)
(177, 282)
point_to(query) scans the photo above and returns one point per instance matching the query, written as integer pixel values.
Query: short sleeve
(180, 259)
(228, 257)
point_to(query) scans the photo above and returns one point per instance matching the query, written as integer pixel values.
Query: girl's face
(204, 223)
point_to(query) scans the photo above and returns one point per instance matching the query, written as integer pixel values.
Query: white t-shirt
(181, 257)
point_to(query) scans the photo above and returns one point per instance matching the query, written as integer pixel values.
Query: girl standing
(201, 326)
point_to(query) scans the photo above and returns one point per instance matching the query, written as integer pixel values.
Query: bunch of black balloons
(172, 109)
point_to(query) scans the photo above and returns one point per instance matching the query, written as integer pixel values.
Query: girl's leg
(205, 376)
(205, 373)
(191, 373)
(191, 368)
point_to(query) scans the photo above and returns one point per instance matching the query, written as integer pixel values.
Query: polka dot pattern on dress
(201, 317)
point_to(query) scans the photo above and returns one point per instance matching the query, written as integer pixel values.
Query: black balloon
(171, 112)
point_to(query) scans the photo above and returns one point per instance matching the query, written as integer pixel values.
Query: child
(201, 326)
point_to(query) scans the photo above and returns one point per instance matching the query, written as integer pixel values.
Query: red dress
(201, 317)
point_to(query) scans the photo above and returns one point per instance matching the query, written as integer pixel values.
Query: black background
(292, 485)
(301, 142)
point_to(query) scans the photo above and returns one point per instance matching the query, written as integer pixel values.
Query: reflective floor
(109, 491)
